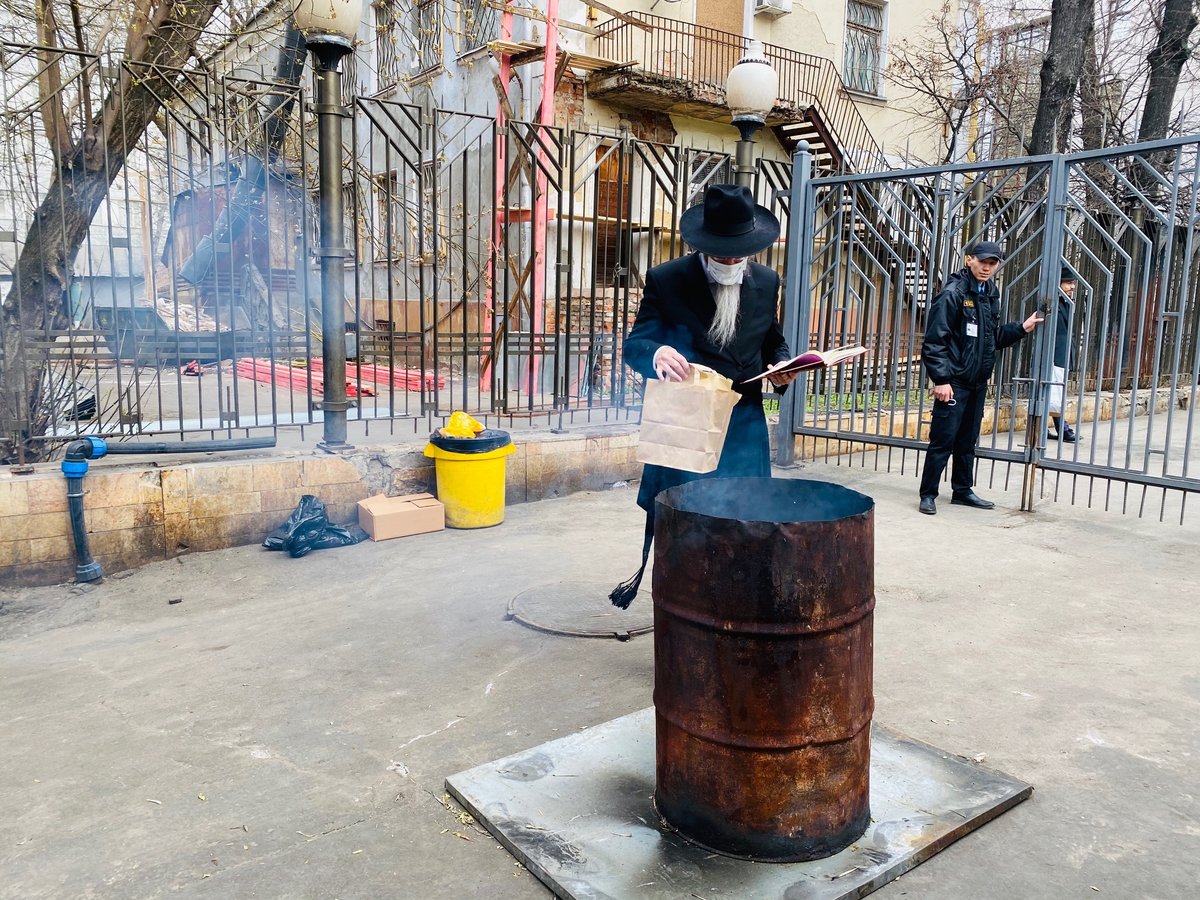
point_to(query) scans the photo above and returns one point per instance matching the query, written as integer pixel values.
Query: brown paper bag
(684, 422)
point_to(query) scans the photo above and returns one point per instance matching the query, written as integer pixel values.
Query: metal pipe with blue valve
(75, 467)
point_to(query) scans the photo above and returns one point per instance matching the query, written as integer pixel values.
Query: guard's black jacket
(963, 332)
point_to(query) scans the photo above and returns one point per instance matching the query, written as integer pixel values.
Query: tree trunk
(1094, 116)
(161, 39)
(1071, 25)
(1166, 62)
(33, 310)
(1092, 113)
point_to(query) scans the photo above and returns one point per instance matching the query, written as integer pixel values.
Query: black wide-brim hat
(729, 223)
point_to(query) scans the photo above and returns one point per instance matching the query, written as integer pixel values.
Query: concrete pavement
(285, 729)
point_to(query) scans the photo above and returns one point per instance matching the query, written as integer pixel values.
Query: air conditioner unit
(772, 8)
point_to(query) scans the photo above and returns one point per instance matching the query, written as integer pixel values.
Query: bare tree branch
(54, 120)
(1166, 62)
(81, 45)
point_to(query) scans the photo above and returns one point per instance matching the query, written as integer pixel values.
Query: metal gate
(877, 249)
(497, 266)
(507, 258)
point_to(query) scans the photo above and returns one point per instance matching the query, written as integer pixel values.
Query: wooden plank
(564, 60)
(525, 52)
(532, 55)
(512, 46)
(617, 14)
(537, 14)
(598, 63)
(502, 94)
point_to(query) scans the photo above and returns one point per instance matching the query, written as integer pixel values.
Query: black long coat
(1062, 330)
(677, 310)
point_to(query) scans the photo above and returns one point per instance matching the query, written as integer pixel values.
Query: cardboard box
(384, 517)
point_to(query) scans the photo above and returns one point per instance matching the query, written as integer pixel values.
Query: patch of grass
(867, 401)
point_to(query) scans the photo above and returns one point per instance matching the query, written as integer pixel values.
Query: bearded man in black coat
(717, 308)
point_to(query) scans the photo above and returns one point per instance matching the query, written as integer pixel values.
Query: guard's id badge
(972, 329)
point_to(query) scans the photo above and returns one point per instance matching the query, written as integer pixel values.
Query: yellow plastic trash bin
(470, 476)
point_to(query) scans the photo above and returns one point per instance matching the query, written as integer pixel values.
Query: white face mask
(723, 273)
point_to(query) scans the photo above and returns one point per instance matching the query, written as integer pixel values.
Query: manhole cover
(582, 609)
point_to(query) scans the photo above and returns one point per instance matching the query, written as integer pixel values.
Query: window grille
(402, 221)
(429, 35)
(387, 55)
(479, 24)
(390, 223)
(864, 46)
(706, 168)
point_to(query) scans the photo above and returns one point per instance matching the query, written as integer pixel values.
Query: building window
(864, 46)
(387, 53)
(429, 35)
(402, 224)
(1015, 67)
(383, 229)
(479, 25)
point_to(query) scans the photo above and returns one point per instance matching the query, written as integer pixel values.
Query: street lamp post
(750, 92)
(329, 28)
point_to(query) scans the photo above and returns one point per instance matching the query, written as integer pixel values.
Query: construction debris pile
(191, 319)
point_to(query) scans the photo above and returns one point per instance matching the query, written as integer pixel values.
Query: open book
(811, 359)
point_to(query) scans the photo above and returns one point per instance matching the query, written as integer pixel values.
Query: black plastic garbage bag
(308, 528)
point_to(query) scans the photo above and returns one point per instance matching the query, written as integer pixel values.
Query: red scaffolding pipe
(539, 237)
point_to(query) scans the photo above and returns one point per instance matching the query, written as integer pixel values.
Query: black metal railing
(674, 51)
(1120, 360)
(494, 270)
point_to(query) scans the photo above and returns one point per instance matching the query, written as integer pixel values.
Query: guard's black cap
(1067, 274)
(986, 250)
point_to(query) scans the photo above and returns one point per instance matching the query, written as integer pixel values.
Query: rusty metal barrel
(763, 611)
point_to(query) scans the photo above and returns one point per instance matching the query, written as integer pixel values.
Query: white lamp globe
(328, 18)
(752, 86)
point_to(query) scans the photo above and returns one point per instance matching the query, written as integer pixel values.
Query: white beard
(724, 324)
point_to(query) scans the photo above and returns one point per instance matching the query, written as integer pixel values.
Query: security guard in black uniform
(962, 335)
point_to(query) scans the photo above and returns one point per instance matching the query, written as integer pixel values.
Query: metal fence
(496, 269)
(1125, 220)
(499, 267)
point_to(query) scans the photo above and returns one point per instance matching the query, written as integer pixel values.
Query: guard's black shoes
(1068, 435)
(972, 499)
(928, 506)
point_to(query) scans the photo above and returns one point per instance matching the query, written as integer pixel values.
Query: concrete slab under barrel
(578, 813)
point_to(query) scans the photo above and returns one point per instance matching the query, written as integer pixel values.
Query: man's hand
(1033, 321)
(943, 392)
(783, 379)
(670, 364)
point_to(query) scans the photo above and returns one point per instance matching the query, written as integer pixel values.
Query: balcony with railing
(681, 68)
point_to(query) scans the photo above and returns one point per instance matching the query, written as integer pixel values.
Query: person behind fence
(962, 336)
(1062, 355)
(717, 308)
